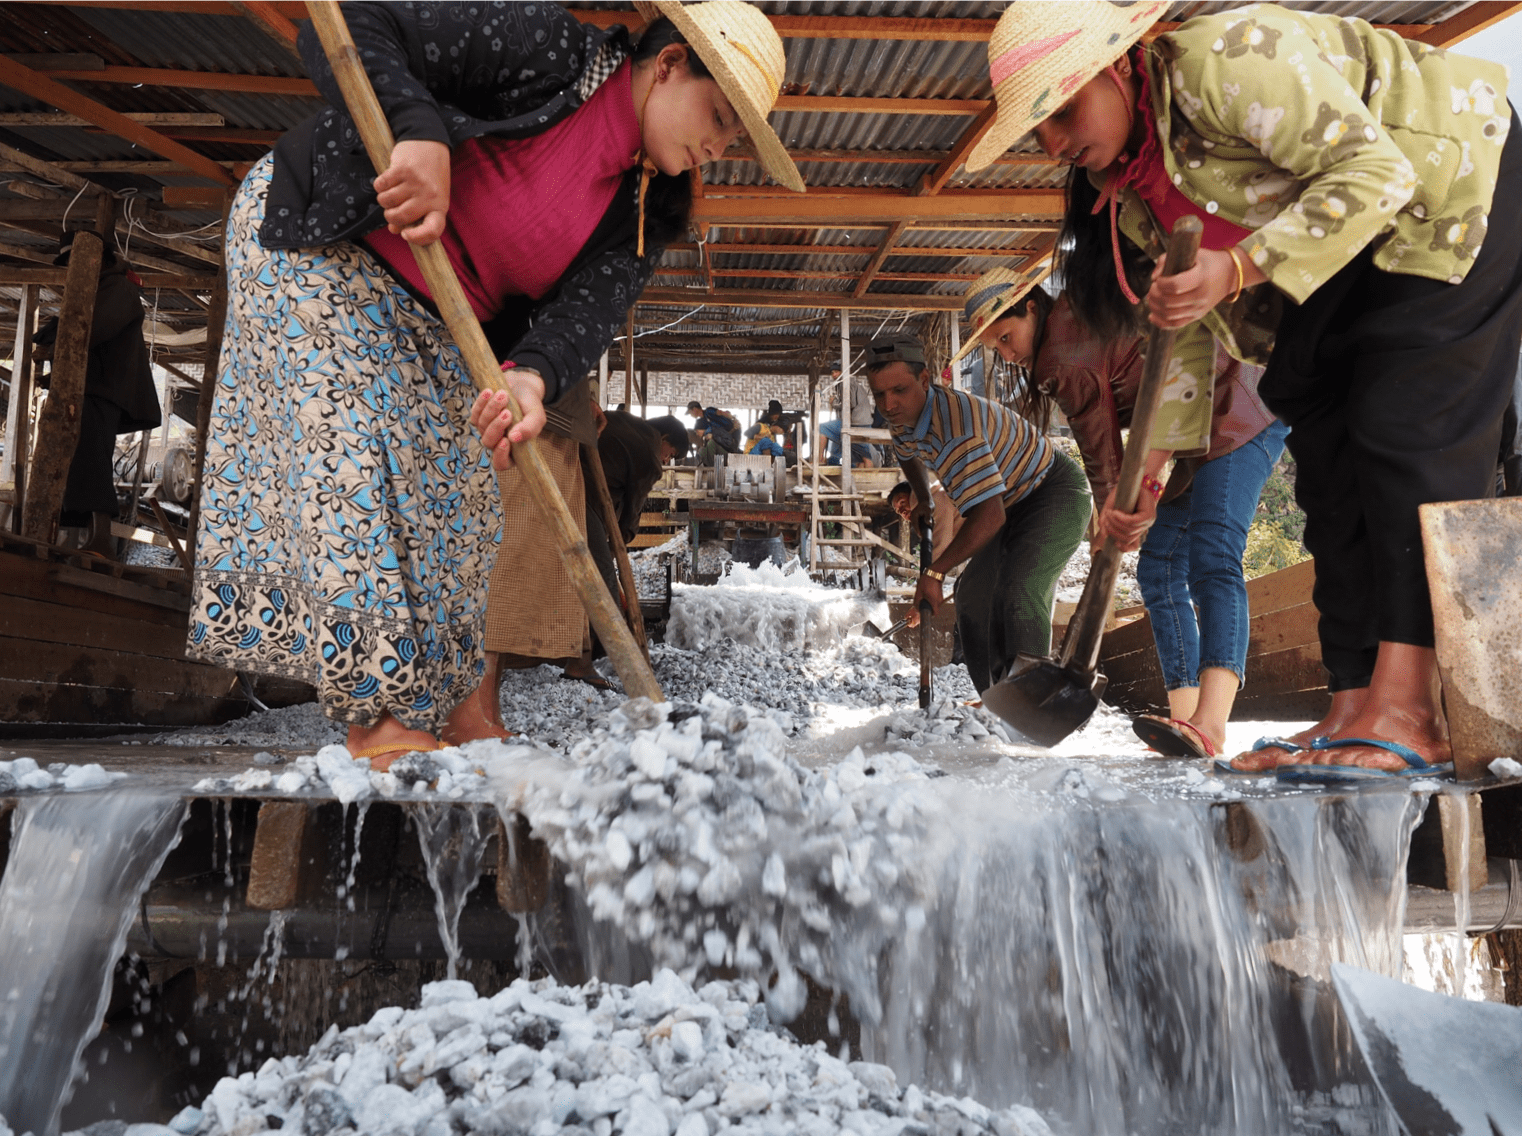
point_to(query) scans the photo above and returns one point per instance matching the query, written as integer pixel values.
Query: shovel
(925, 560)
(1444, 1064)
(1047, 699)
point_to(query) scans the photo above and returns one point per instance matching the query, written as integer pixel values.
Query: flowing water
(78, 865)
(453, 840)
(1127, 961)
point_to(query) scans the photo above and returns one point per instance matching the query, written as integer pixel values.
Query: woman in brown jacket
(1190, 569)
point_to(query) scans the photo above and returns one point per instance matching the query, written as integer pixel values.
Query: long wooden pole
(592, 461)
(638, 679)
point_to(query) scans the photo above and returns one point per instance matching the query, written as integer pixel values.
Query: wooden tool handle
(481, 363)
(927, 557)
(1183, 247)
(1080, 646)
(597, 477)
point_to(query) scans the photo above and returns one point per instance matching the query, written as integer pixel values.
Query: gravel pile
(1070, 583)
(690, 830)
(536, 1059)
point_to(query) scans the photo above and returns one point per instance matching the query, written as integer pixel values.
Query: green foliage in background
(1274, 541)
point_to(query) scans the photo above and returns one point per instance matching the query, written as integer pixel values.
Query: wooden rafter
(807, 210)
(1475, 18)
(933, 182)
(54, 93)
(193, 80)
(799, 298)
(848, 250)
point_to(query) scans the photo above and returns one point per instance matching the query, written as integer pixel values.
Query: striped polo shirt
(977, 448)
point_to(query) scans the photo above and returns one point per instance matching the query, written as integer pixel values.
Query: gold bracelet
(1232, 252)
(938, 577)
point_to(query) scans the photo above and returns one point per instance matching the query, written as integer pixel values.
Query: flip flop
(1168, 737)
(381, 763)
(1417, 766)
(1223, 764)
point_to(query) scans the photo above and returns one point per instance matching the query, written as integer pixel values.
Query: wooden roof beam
(193, 80)
(1475, 18)
(54, 93)
(848, 250)
(796, 298)
(810, 211)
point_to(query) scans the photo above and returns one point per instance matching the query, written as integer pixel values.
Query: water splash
(79, 864)
(453, 840)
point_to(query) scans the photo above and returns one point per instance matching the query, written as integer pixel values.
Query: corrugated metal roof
(881, 68)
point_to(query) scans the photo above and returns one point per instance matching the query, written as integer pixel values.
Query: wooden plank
(34, 620)
(40, 86)
(18, 418)
(1294, 706)
(55, 277)
(58, 424)
(91, 591)
(1284, 588)
(651, 540)
(193, 197)
(1296, 626)
(32, 660)
(30, 700)
(855, 104)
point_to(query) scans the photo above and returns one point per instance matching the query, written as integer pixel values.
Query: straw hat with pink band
(991, 295)
(738, 44)
(1042, 51)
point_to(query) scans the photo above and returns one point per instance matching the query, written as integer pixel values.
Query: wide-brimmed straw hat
(738, 44)
(994, 293)
(1041, 51)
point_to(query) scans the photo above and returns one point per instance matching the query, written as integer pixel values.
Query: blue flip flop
(1417, 765)
(1223, 764)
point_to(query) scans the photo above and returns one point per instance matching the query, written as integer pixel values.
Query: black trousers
(1394, 388)
(1004, 596)
(91, 484)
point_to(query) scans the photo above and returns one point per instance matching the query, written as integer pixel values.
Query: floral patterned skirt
(349, 514)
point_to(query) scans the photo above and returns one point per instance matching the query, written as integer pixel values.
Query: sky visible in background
(1499, 43)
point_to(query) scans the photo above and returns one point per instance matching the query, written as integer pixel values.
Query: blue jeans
(769, 446)
(860, 451)
(1190, 568)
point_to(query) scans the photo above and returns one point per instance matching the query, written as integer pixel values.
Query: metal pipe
(1495, 907)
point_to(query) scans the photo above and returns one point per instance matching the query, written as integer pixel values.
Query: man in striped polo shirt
(1026, 506)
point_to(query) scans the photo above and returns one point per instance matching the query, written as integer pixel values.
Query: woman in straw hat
(348, 510)
(1344, 177)
(1190, 569)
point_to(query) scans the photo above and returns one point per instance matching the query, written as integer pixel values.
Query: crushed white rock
(24, 773)
(537, 1059)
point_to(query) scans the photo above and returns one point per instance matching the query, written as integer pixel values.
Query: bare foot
(480, 714)
(386, 741)
(1346, 705)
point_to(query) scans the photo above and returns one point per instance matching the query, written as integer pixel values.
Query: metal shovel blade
(1445, 1065)
(1044, 701)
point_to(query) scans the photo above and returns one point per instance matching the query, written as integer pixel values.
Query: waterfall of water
(78, 865)
(453, 840)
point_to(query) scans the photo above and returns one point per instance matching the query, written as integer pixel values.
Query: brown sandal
(479, 722)
(380, 762)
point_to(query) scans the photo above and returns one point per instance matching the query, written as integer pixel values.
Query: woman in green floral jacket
(1345, 178)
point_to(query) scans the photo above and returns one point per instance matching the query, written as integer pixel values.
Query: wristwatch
(939, 577)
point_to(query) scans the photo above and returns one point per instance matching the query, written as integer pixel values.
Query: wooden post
(216, 320)
(955, 321)
(18, 418)
(846, 481)
(58, 427)
(105, 216)
(644, 390)
(629, 364)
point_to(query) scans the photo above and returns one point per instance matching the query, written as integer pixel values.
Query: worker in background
(945, 521)
(120, 398)
(1025, 506)
(862, 415)
(718, 431)
(764, 438)
(633, 451)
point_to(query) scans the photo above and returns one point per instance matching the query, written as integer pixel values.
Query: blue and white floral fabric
(349, 515)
